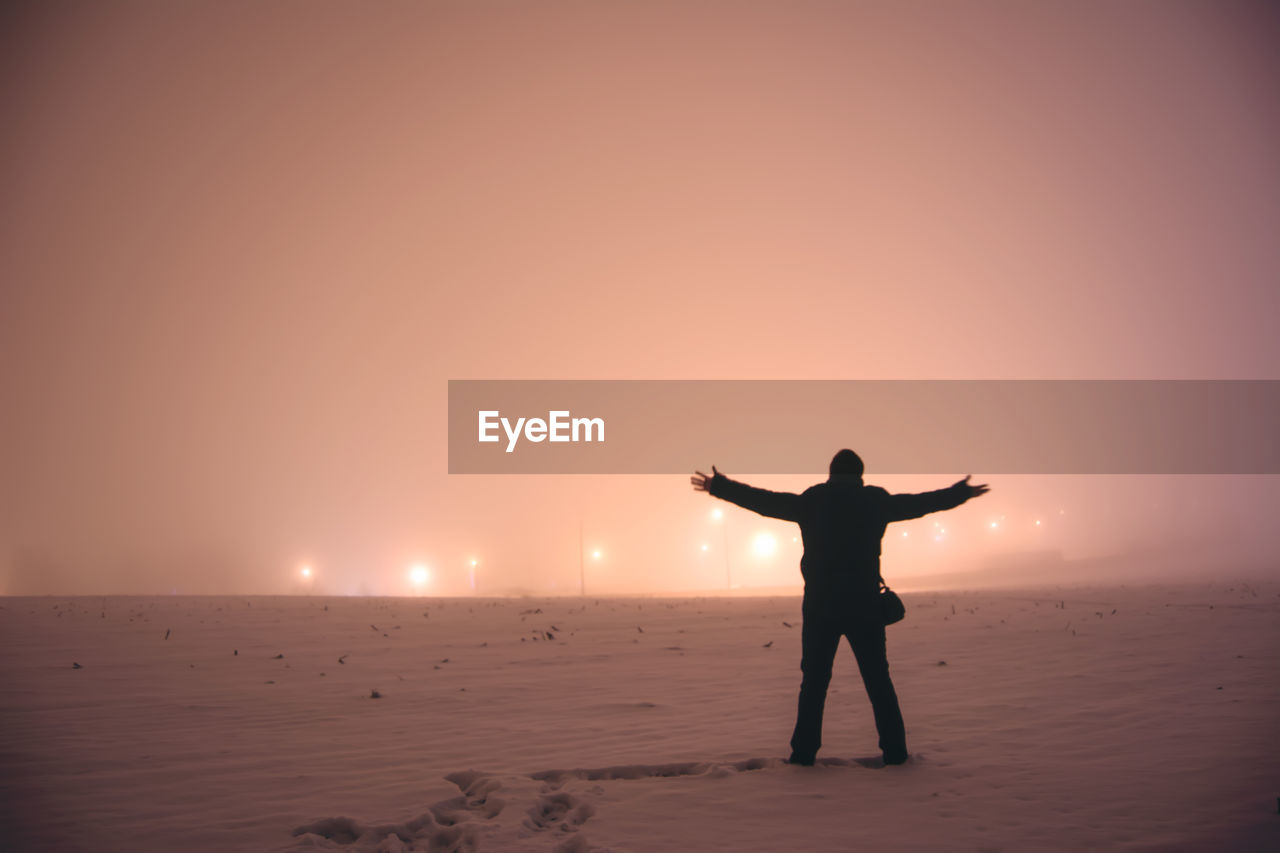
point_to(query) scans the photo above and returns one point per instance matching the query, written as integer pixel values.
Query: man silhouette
(841, 523)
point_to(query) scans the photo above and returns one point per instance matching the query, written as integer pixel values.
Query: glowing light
(474, 562)
(1037, 522)
(704, 546)
(595, 555)
(995, 524)
(764, 545)
(717, 514)
(904, 534)
(305, 571)
(795, 538)
(419, 574)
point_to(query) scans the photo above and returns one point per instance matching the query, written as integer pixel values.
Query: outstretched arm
(784, 505)
(903, 507)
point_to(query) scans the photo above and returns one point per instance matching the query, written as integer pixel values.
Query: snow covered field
(1068, 718)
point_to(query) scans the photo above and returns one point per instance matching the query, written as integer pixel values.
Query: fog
(243, 247)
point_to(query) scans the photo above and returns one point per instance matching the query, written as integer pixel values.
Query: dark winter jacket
(841, 523)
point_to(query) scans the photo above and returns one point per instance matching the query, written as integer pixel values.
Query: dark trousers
(820, 638)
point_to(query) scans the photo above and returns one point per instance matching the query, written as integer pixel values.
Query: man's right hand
(701, 482)
(973, 491)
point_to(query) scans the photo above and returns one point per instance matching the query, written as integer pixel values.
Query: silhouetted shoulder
(877, 499)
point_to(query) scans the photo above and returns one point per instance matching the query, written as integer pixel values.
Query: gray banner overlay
(897, 426)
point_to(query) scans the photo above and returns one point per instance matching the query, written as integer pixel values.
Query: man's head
(846, 465)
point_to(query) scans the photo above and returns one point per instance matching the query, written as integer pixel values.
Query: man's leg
(869, 648)
(818, 642)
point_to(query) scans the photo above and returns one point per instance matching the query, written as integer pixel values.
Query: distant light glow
(306, 571)
(1037, 522)
(595, 555)
(904, 534)
(764, 545)
(704, 546)
(419, 574)
(474, 562)
(995, 524)
(717, 513)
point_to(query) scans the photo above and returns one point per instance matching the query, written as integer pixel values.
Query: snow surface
(1140, 717)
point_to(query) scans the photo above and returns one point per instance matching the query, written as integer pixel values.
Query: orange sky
(243, 246)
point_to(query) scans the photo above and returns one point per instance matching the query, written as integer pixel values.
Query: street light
(765, 545)
(305, 572)
(419, 575)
